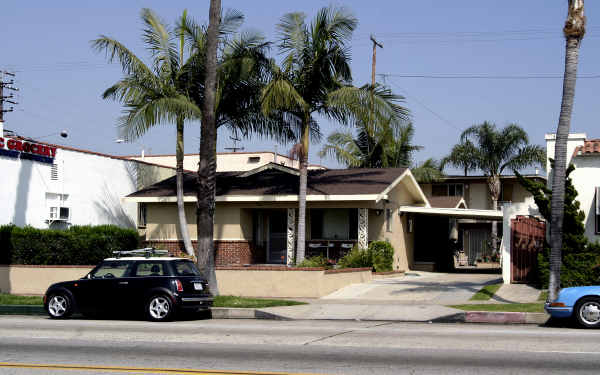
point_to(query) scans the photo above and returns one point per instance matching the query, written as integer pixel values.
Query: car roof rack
(146, 252)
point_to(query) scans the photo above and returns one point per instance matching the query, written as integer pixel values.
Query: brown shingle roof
(590, 147)
(444, 202)
(277, 182)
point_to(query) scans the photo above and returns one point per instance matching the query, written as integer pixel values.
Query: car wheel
(60, 306)
(587, 312)
(159, 308)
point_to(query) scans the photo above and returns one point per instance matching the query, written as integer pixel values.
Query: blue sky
(61, 78)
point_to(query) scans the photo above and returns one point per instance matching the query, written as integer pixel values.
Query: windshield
(186, 268)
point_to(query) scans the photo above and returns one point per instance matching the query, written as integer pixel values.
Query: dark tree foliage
(580, 258)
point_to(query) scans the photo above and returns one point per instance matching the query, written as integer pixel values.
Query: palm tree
(495, 151)
(207, 166)
(315, 78)
(386, 148)
(242, 71)
(461, 157)
(153, 95)
(574, 31)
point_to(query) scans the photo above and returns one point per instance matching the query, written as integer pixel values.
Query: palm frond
(159, 40)
(114, 50)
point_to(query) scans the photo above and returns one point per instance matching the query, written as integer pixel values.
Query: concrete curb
(493, 317)
(486, 317)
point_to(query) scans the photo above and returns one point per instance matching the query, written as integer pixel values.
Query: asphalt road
(322, 347)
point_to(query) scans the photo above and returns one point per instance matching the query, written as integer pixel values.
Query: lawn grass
(503, 307)
(543, 296)
(486, 292)
(220, 301)
(9, 299)
(233, 301)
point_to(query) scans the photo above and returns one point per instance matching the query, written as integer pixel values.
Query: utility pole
(374, 62)
(5, 98)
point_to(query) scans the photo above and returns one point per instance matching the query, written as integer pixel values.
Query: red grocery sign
(27, 150)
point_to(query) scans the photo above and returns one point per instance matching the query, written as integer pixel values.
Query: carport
(450, 238)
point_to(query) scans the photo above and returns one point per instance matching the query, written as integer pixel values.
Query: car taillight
(45, 298)
(179, 285)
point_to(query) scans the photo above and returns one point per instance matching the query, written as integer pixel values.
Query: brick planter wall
(227, 252)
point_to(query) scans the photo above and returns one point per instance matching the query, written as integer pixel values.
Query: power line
(6, 85)
(425, 106)
(483, 76)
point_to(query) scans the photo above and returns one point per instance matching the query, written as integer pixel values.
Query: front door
(277, 247)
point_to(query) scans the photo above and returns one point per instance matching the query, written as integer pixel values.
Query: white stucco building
(46, 185)
(584, 154)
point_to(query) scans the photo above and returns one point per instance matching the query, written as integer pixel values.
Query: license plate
(198, 286)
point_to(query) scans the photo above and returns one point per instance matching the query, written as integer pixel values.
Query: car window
(110, 269)
(186, 268)
(149, 269)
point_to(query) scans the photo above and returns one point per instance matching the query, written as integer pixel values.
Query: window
(447, 190)
(253, 159)
(149, 269)
(333, 224)
(57, 206)
(186, 268)
(141, 215)
(111, 269)
(59, 213)
(388, 219)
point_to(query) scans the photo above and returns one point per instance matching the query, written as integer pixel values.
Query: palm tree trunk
(207, 166)
(494, 187)
(301, 235)
(185, 235)
(574, 31)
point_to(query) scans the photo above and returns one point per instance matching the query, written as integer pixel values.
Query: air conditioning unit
(59, 214)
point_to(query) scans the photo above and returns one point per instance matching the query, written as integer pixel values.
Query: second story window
(447, 190)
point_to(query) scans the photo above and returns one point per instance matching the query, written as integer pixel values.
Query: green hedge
(78, 245)
(379, 256)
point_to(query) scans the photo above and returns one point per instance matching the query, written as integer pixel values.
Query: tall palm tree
(315, 78)
(461, 157)
(153, 94)
(496, 150)
(242, 70)
(574, 31)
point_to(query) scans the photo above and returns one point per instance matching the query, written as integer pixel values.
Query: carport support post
(291, 235)
(363, 228)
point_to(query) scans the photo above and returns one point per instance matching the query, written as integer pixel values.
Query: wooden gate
(527, 239)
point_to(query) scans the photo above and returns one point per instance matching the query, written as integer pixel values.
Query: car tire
(587, 312)
(159, 308)
(60, 305)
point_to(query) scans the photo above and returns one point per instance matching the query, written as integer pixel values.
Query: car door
(100, 291)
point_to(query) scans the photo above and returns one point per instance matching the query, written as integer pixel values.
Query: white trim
(454, 212)
(264, 198)
(406, 173)
(270, 165)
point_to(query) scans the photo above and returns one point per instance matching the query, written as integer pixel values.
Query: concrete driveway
(417, 287)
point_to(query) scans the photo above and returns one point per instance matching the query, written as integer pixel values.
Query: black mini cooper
(157, 286)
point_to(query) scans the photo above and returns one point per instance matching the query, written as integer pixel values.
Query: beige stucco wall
(478, 197)
(35, 280)
(231, 222)
(298, 284)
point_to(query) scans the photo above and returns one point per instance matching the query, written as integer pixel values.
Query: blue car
(582, 303)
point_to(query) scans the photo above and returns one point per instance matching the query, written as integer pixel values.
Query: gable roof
(272, 182)
(447, 202)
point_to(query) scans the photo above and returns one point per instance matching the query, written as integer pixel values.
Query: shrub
(5, 243)
(78, 245)
(379, 257)
(316, 261)
(383, 256)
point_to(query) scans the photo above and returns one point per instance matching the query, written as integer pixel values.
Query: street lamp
(121, 140)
